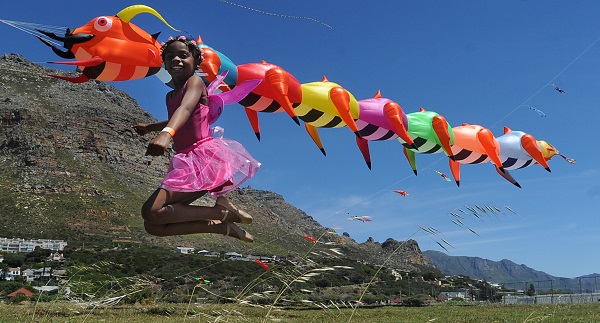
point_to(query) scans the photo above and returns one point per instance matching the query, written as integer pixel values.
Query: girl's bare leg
(243, 216)
(164, 207)
(169, 213)
(191, 227)
(200, 226)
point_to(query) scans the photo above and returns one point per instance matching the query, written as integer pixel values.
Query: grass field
(66, 312)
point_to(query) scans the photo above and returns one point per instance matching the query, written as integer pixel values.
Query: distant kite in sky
(558, 89)
(401, 192)
(538, 111)
(444, 176)
(364, 218)
(201, 280)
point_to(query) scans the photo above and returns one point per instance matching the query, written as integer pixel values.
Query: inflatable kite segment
(110, 48)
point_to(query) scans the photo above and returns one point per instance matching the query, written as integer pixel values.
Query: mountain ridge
(507, 272)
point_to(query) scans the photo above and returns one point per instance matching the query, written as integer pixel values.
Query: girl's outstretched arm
(144, 128)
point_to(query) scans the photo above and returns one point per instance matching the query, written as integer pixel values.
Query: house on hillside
(206, 253)
(12, 273)
(262, 258)
(185, 250)
(23, 245)
(47, 289)
(56, 257)
(40, 274)
(234, 256)
(395, 301)
(446, 296)
(21, 291)
(27, 275)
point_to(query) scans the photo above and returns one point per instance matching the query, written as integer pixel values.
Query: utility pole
(551, 292)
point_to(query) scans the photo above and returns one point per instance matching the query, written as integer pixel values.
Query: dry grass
(69, 312)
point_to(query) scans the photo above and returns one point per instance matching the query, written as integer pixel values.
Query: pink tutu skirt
(217, 165)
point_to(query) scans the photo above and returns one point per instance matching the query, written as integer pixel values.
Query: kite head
(110, 48)
(548, 151)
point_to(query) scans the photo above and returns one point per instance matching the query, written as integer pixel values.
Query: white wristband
(170, 130)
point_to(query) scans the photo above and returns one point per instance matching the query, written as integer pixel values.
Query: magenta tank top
(195, 129)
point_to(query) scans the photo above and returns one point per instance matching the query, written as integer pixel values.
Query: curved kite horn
(128, 13)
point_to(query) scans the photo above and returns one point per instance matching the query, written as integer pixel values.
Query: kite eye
(103, 23)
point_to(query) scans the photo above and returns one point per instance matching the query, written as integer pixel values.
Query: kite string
(33, 29)
(548, 83)
(276, 14)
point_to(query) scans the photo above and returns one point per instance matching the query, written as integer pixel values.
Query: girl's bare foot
(236, 232)
(238, 215)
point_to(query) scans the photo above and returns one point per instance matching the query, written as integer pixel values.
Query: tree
(429, 276)
(38, 255)
(14, 259)
(531, 290)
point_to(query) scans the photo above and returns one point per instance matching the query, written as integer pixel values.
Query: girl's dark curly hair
(192, 45)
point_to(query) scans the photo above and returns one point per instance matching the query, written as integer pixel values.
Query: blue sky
(473, 62)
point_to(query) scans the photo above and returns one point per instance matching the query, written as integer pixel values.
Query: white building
(185, 250)
(22, 245)
(446, 296)
(12, 273)
(56, 257)
(234, 256)
(39, 274)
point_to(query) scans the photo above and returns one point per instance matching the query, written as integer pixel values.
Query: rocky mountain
(508, 273)
(479, 268)
(72, 168)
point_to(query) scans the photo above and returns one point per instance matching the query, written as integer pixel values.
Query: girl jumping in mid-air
(201, 164)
